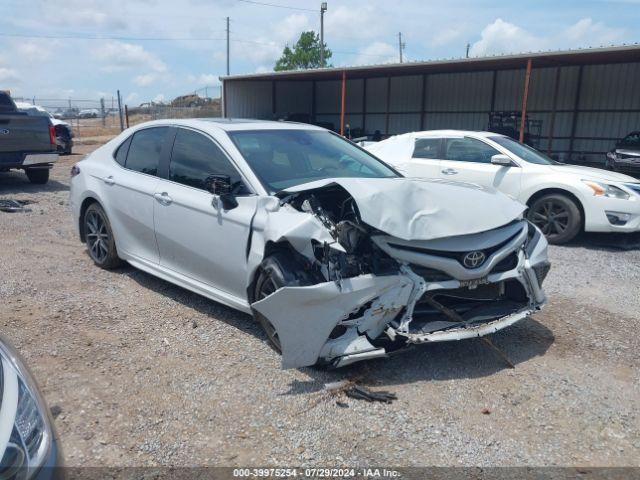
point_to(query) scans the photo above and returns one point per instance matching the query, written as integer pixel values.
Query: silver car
(338, 256)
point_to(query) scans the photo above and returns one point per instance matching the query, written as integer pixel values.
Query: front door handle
(163, 198)
(450, 171)
(109, 180)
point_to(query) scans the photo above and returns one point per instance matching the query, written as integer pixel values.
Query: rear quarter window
(145, 150)
(120, 155)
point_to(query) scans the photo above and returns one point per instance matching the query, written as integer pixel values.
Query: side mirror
(220, 185)
(502, 160)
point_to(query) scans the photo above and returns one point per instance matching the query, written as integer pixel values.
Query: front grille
(459, 256)
(507, 263)
(430, 274)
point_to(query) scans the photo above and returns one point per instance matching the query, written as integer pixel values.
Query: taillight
(52, 134)
(75, 170)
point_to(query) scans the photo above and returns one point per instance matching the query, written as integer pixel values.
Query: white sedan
(563, 199)
(337, 256)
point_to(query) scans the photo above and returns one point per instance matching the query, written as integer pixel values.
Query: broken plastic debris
(362, 393)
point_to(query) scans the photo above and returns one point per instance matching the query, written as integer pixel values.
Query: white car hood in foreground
(417, 209)
(590, 173)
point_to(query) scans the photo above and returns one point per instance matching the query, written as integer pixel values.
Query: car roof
(233, 124)
(444, 133)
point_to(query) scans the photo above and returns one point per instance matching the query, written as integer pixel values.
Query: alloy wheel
(97, 236)
(552, 218)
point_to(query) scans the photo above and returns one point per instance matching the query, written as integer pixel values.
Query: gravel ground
(146, 373)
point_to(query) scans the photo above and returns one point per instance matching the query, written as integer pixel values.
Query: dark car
(26, 142)
(625, 157)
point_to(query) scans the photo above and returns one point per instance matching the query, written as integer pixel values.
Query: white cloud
(132, 98)
(8, 75)
(587, 33)
(92, 17)
(34, 50)
(120, 56)
(145, 80)
(204, 79)
(360, 23)
(159, 98)
(503, 37)
(377, 52)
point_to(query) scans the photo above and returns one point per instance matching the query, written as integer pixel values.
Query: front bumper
(369, 316)
(597, 208)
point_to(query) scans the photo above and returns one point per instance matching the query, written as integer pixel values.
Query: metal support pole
(227, 46)
(120, 111)
(126, 114)
(102, 112)
(400, 46)
(525, 94)
(323, 8)
(343, 101)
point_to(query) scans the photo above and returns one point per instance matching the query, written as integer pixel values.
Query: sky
(159, 49)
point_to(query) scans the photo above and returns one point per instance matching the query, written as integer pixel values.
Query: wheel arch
(89, 200)
(559, 191)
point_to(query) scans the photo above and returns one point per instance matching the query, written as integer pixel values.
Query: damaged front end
(392, 272)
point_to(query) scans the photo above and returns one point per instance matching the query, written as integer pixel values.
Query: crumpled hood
(418, 209)
(590, 173)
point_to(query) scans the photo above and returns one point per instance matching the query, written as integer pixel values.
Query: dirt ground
(146, 373)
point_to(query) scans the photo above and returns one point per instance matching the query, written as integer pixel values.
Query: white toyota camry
(337, 256)
(562, 199)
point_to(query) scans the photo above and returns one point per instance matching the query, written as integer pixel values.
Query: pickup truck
(26, 142)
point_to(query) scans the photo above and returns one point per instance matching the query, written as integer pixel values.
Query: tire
(38, 176)
(557, 216)
(280, 269)
(98, 235)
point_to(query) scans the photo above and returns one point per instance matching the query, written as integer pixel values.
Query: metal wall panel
(452, 92)
(375, 121)
(611, 87)
(248, 99)
(329, 96)
(293, 97)
(406, 94)
(509, 87)
(376, 95)
(457, 121)
(403, 123)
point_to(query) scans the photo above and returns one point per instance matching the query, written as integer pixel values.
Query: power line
(107, 37)
(264, 4)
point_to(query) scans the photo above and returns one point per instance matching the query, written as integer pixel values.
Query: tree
(304, 55)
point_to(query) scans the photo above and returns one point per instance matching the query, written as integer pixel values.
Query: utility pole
(227, 45)
(323, 8)
(468, 47)
(401, 45)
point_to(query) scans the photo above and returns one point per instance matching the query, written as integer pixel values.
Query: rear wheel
(99, 238)
(280, 269)
(39, 176)
(557, 216)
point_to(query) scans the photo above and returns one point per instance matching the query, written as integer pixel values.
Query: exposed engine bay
(383, 292)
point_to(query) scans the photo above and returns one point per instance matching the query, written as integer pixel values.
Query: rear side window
(427, 148)
(195, 157)
(145, 150)
(468, 150)
(121, 153)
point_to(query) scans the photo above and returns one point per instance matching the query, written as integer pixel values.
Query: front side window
(427, 148)
(284, 158)
(631, 140)
(145, 150)
(195, 157)
(468, 150)
(525, 152)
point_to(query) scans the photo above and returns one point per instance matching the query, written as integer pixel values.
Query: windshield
(525, 152)
(284, 158)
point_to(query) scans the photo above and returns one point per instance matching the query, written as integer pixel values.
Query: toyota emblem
(474, 259)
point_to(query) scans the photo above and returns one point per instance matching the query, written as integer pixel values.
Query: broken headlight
(25, 432)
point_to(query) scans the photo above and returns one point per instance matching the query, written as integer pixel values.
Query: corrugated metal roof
(601, 55)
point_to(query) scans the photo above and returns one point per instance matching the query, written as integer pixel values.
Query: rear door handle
(109, 180)
(450, 171)
(163, 198)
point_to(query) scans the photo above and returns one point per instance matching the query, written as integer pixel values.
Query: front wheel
(280, 269)
(38, 176)
(557, 216)
(99, 238)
